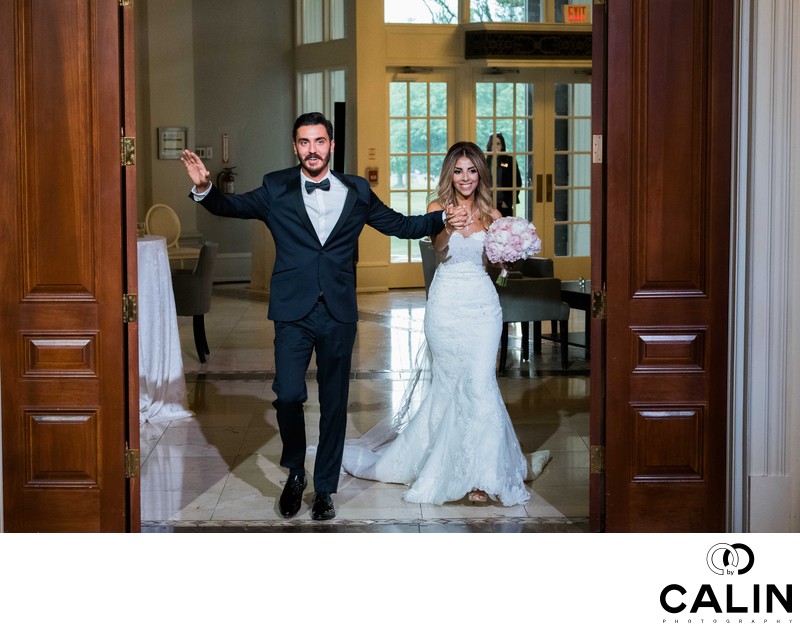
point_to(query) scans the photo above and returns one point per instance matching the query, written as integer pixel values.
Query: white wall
(244, 86)
(215, 67)
(767, 217)
(169, 70)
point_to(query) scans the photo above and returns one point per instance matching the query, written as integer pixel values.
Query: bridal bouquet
(510, 239)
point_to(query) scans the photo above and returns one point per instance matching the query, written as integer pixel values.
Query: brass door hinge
(599, 304)
(597, 459)
(125, 3)
(128, 151)
(130, 308)
(597, 149)
(131, 462)
(599, 2)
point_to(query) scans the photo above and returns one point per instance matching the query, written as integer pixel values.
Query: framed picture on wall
(171, 142)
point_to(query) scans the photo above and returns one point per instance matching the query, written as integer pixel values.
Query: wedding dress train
(452, 433)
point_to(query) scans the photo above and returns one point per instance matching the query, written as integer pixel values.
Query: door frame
(597, 362)
(129, 202)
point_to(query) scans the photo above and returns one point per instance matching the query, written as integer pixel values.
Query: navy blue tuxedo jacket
(304, 267)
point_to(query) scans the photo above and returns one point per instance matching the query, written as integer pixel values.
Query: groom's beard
(322, 163)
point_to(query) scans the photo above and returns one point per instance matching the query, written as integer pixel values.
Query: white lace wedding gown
(460, 436)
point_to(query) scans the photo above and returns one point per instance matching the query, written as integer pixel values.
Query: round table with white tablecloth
(162, 385)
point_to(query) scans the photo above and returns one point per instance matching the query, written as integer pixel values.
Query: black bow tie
(325, 185)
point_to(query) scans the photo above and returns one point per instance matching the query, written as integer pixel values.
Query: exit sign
(576, 13)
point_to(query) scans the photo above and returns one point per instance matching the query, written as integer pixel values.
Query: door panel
(668, 204)
(62, 346)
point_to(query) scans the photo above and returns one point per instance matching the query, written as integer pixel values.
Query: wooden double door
(661, 92)
(68, 360)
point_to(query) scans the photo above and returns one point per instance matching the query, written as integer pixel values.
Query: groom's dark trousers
(333, 342)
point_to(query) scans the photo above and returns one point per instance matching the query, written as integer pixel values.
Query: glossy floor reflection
(218, 471)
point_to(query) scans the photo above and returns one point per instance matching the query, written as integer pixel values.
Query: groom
(315, 217)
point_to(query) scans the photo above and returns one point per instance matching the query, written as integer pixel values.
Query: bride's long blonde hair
(445, 192)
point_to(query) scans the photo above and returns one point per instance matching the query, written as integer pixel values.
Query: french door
(544, 119)
(419, 135)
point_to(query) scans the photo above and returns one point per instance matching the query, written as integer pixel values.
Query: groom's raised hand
(200, 176)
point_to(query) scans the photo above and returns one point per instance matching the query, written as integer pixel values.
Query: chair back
(537, 267)
(192, 289)
(532, 300)
(428, 254)
(163, 221)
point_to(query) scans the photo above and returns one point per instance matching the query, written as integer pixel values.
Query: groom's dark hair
(312, 118)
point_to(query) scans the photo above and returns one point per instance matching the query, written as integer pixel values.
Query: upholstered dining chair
(538, 267)
(192, 289)
(533, 300)
(163, 221)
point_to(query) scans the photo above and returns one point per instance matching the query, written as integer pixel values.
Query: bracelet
(447, 229)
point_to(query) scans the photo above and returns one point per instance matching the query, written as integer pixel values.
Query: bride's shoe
(477, 496)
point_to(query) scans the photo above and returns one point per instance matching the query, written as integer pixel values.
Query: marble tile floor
(217, 471)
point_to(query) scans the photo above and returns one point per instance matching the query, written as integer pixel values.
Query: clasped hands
(455, 218)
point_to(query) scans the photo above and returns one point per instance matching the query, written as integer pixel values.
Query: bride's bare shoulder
(434, 206)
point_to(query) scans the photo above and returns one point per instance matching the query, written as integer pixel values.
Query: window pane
(581, 244)
(582, 134)
(419, 202)
(418, 99)
(438, 93)
(581, 170)
(561, 204)
(484, 99)
(398, 136)
(337, 19)
(506, 10)
(312, 97)
(504, 99)
(398, 99)
(561, 134)
(483, 131)
(582, 99)
(419, 173)
(312, 21)
(419, 135)
(399, 250)
(436, 168)
(438, 135)
(561, 240)
(399, 166)
(561, 170)
(582, 204)
(562, 99)
(420, 11)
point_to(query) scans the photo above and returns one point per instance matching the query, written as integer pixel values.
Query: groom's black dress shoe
(322, 507)
(292, 495)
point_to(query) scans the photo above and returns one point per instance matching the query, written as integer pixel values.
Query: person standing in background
(505, 173)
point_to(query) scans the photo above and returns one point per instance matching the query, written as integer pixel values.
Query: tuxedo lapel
(349, 203)
(295, 193)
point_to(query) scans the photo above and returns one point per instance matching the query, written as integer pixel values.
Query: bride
(452, 436)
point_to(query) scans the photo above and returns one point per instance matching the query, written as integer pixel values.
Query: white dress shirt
(324, 207)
